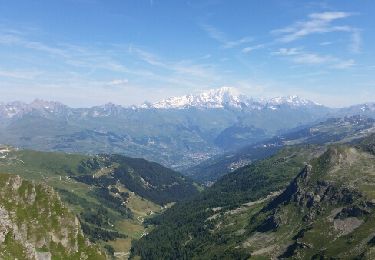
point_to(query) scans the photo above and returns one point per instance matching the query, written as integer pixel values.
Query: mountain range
(178, 132)
(227, 97)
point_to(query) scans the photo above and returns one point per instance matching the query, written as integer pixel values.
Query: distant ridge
(225, 97)
(178, 132)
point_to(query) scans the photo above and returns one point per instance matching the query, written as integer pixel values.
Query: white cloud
(356, 41)
(329, 16)
(311, 58)
(325, 43)
(10, 38)
(287, 51)
(221, 37)
(83, 66)
(299, 56)
(253, 48)
(344, 64)
(232, 44)
(147, 56)
(118, 82)
(317, 23)
(185, 68)
(20, 74)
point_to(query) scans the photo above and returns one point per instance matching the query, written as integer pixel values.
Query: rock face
(34, 224)
(328, 207)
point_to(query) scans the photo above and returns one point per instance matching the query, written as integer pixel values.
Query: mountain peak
(213, 98)
(18, 108)
(291, 100)
(48, 105)
(227, 97)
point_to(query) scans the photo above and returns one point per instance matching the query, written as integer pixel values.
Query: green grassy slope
(185, 229)
(111, 195)
(34, 224)
(326, 212)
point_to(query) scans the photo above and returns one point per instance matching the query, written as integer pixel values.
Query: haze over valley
(160, 129)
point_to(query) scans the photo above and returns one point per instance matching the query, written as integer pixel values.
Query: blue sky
(89, 52)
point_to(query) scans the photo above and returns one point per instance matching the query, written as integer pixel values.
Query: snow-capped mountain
(361, 109)
(48, 106)
(105, 110)
(12, 109)
(214, 98)
(295, 101)
(17, 108)
(227, 97)
(169, 132)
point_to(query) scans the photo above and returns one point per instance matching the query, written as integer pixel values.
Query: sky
(90, 52)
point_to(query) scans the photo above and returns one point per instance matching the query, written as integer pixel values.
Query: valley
(187, 130)
(325, 211)
(111, 195)
(228, 200)
(177, 135)
(131, 206)
(333, 130)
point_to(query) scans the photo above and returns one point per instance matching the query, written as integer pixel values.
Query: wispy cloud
(344, 64)
(148, 57)
(287, 51)
(117, 82)
(326, 43)
(299, 56)
(20, 74)
(91, 65)
(311, 58)
(222, 38)
(320, 23)
(187, 68)
(90, 58)
(316, 23)
(356, 41)
(14, 38)
(253, 48)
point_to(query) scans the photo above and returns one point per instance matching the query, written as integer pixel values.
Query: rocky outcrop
(312, 193)
(34, 224)
(319, 204)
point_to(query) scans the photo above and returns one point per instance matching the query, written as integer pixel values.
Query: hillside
(111, 194)
(187, 221)
(334, 130)
(326, 210)
(35, 224)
